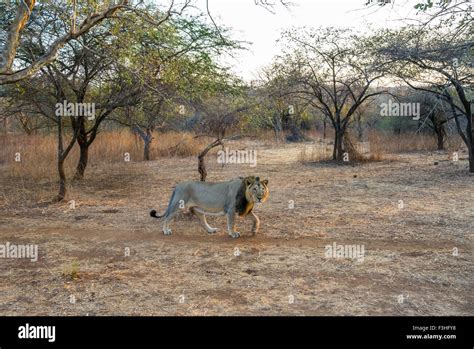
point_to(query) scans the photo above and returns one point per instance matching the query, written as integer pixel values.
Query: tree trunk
(62, 175)
(201, 159)
(84, 149)
(438, 127)
(62, 181)
(275, 132)
(147, 144)
(5, 126)
(338, 152)
(470, 137)
(146, 150)
(471, 152)
(324, 128)
(440, 138)
(277, 127)
(202, 167)
(83, 159)
(62, 155)
(147, 137)
(360, 129)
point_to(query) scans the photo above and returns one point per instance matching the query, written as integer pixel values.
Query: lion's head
(256, 190)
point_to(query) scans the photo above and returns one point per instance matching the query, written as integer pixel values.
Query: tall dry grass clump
(378, 147)
(35, 156)
(392, 143)
(320, 151)
(112, 146)
(28, 164)
(172, 144)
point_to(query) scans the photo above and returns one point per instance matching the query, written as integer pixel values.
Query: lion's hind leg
(202, 219)
(170, 213)
(168, 219)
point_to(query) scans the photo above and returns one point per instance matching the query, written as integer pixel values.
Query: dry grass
(390, 143)
(33, 180)
(358, 152)
(315, 152)
(37, 166)
(38, 153)
(378, 147)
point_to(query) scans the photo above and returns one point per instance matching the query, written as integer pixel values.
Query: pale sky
(260, 27)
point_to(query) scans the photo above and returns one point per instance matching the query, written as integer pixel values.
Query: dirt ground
(410, 266)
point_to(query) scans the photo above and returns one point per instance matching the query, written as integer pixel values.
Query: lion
(225, 198)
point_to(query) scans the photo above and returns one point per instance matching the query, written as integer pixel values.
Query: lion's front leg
(256, 223)
(231, 224)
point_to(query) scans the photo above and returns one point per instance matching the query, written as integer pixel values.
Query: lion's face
(257, 191)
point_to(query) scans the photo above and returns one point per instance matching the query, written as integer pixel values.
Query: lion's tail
(167, 212)
(154, 215)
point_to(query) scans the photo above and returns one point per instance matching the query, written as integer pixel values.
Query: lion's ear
(249, 180)
(265, 182)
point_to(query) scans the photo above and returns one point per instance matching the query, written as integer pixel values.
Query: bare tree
(428, 61)
(46, 91)
(334, 71)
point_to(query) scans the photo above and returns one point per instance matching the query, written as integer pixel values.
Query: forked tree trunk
(147, 137)
(62, 155)
(201, 159)
(83, 149)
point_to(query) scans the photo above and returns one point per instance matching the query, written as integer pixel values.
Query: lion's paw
(212, 230)
(235, 235)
